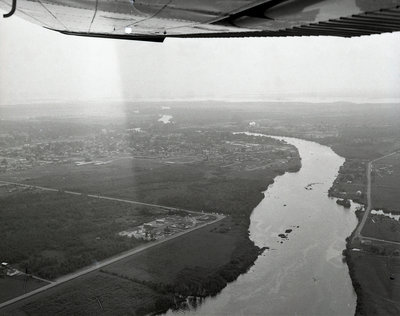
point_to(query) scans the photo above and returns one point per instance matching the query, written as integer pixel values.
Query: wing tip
(144, 38)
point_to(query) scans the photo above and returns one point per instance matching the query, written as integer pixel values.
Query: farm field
(17, 285)
(385, 198)
(378, 292)
(62, 232)
(382, 227)
(228, 176)
(216, 189)
(199, 254)
(101, 293)
(386, 184)
(141, 283)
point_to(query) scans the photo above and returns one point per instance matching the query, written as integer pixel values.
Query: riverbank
(200, 263)
(374, 265)
(303, 272)
(374, 280)
(351, 184)
(351, 265)
(372, 254)
(374, 270)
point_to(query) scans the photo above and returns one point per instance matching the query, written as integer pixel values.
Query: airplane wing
(154, 20)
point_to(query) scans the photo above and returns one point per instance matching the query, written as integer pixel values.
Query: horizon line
(351, 100)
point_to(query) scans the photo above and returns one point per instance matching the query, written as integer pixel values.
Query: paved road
(138, 203)
(380, 240)
(111, 260)
(360, 226)
(97, 196)
(29, 186)
(102, 264)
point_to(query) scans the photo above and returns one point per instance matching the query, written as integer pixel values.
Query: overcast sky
(39, 65)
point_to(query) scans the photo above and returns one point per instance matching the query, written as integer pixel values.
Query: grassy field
(122, 174)
(199, 256)
(101, 294)
(14, 286)
(60, 233)
(163, 263)
(384, 189)
(378, 294)
(386, 183)
(382, 227)
(146, 282)
(200, 263)
(215, 188)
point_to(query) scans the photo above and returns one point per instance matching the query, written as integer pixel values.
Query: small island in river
(227, 177)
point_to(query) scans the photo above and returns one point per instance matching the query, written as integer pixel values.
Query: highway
(104, 263)
(360, 226)
(113, 259)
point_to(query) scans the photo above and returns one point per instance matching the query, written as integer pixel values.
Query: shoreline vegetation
(367, 258)
(349, 186)
(356, 173)
(194, 288)
(194, 284)
(360, 310)
(359, 133)
(199, 264)
(334, 192)
(195, 281)
(197, 164)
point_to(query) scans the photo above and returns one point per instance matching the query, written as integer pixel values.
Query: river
(303, 274)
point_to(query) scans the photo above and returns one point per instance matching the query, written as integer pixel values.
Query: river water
(303, 274)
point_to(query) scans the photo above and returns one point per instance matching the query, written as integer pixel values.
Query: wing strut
(13, 8)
